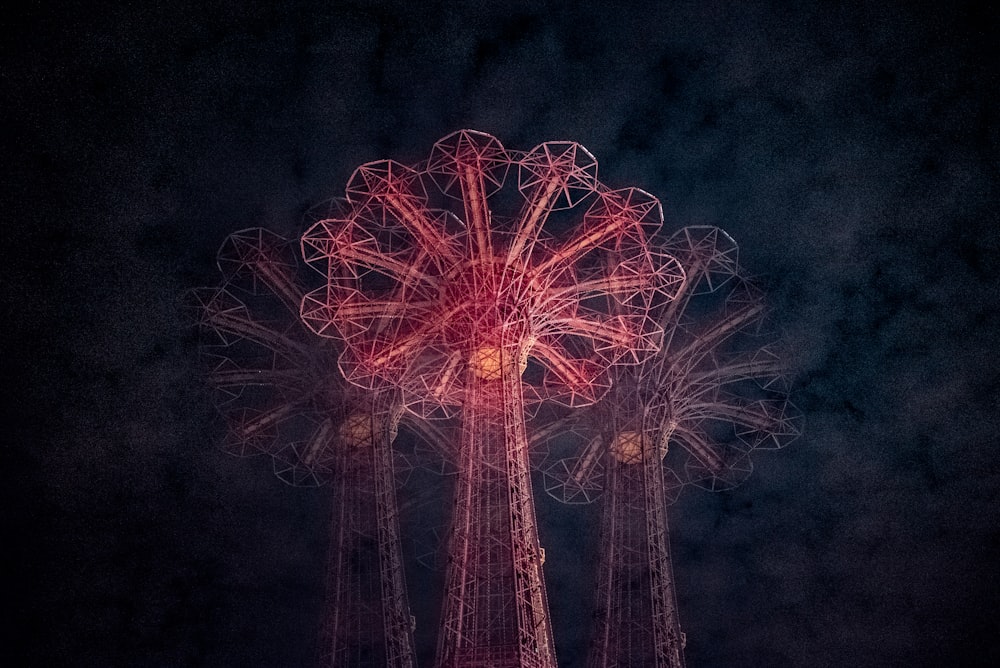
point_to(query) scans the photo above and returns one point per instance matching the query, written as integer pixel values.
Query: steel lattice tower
(712, 389)
(434, 293)
(282, 395)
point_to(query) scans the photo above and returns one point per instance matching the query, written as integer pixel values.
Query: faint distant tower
(715, 390)
(435, 294)
(282, 395)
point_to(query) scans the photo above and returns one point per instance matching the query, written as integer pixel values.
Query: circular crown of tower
(429, 267)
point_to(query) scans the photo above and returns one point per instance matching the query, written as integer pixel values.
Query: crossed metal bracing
(715, 390)
(414, 283)
(635, 618)
(446, 281)
(495, 608)
(368, 621)
(281, 395)
(464, 293)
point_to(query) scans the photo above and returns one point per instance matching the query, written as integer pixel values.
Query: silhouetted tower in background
(715, 390)
(436, 295)
(282, 395)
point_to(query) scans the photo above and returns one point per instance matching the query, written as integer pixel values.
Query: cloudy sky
(853, 154)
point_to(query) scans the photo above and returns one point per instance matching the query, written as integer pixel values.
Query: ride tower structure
(280, 393)
(715, 390)
(451, 280)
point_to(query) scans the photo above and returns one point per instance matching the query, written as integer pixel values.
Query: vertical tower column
(495, 611)
(668, 638)
(368, 621)
(635, 621)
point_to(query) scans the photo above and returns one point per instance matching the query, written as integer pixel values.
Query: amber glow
(356, 430)
(627, 447)
(468, 274)
(276, 385)
(711, 393)
(441, 293)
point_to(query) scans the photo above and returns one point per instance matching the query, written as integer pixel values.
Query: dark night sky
(852, 153)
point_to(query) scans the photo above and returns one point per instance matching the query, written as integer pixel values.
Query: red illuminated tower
(282, 395)
(713, 390)
(449, 280)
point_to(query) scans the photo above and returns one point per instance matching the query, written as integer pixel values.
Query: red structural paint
(445, 281)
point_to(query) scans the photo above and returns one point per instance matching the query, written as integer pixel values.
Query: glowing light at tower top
(459, 265)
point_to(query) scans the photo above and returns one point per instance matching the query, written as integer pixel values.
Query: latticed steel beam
(715, 391)
(295, 407)
(635, 620)
(368, 620)
(461, 303)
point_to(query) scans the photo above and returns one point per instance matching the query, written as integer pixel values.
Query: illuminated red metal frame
(281, 395)
(714, 390)
(445, 281)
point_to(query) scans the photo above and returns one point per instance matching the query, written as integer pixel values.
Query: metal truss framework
(281, 395)
(714, 390)
(368, 621)
(449, 280)
(636, 621)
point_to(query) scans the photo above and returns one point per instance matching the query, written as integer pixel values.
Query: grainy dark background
(852, 151)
